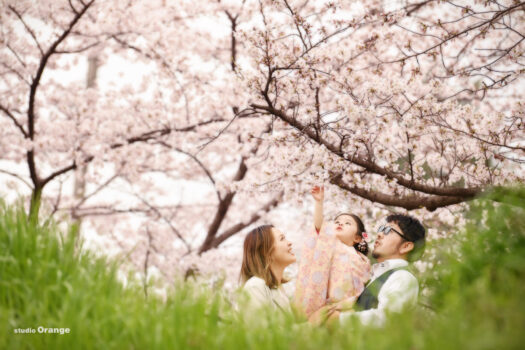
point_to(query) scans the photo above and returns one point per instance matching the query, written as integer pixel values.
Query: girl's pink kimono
(329, 271)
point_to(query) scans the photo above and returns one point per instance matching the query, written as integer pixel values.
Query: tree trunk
(36, 199)
(80, 173)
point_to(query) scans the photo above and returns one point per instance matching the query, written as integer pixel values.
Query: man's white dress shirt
(399, 291)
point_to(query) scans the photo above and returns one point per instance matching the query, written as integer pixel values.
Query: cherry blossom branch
(167, 221)
(222, 209)
(78, 50)
(369, 165)
(56, 202)
(28, 29)
(233, 19)
(415, 7)
(15, 121)
(487, 22)
(484, 88)
(145, 137)
(18, 58)
(146, 262)
(483, 27)
(17, 177)
(197, 160)
(107, 210)
(37, 182)
(225, 203)
(17, 73)
(94, 192)
(43, 63)
(204, 145)
(446, 125)
(412, 202)
(242, 225)
(292, 13)
(159, 58)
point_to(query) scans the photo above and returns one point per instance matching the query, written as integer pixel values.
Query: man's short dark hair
(413, 230)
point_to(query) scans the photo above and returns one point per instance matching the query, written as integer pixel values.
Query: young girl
(334, 267)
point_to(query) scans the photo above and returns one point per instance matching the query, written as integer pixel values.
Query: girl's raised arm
(318, 194)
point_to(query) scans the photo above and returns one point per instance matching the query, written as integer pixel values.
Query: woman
(267, 253)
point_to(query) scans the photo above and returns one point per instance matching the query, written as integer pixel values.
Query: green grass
(474, 296)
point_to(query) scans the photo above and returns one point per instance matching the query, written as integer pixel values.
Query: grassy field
(473, 300)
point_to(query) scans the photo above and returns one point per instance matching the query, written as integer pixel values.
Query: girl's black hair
(361, 247)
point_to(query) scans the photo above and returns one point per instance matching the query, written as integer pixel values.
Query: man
(391, 286)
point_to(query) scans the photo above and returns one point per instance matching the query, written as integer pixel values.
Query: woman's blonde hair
(256, 259)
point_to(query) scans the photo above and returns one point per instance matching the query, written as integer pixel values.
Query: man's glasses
(387, 229)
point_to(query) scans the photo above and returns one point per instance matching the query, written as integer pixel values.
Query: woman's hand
(318, 193)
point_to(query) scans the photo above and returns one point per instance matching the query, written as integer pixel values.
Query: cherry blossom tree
(411, 104)
(125, 141)
(206, 116)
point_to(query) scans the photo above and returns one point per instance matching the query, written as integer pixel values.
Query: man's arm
(399, 291)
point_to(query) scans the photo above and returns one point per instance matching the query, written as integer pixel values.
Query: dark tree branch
(242, 225)
(197, 160)
(19, 59)
(415, 7)
(222, 209)
(43, 63)
(225, 203)
(15, 121)
(233, 20)
(97, 190)
(37, 182)
(17, 73)
(17, 177)
(146, 262)
(145, 137)
(167, 221)
(77, 50)
(369, 165)
(431, 203)
(488, 22)
(29, 30)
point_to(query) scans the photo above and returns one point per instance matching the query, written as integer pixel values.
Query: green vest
(368, 299)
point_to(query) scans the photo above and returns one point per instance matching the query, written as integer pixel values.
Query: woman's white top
(260, 295)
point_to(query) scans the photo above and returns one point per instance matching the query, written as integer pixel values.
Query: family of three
(335, 278)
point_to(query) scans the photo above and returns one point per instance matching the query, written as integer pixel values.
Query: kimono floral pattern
(329, 271)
